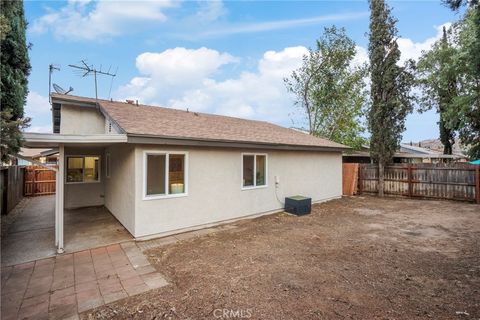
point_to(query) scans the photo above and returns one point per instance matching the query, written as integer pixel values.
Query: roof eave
(165, 140)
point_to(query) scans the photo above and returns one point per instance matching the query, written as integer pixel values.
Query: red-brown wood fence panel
(39, 181)
(425, 180)
(350, 179)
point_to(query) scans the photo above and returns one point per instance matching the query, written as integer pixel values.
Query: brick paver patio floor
(65, 285)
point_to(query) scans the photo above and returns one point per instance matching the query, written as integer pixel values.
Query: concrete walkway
(66, 285)
(62, 287)
(31, 236)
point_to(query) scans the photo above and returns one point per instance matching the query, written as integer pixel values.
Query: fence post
(360, 179)
(477, 184)
(34, 182)
(410, 186)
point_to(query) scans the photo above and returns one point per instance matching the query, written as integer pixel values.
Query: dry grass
(359, 258)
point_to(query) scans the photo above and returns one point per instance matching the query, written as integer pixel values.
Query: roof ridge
(176, 109)
(189, 111)
(59, 95)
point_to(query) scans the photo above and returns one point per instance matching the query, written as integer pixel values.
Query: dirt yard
(354, 258)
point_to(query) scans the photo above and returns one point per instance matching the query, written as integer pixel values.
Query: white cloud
(413, 50)
(361, 56)
(184, 78)
(210, 11)
(408, 48)
(181, 65)
(169, 73)
(38, 108)
(37, 105)
(90, 20)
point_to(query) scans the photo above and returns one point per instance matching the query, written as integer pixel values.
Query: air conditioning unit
(298, 205)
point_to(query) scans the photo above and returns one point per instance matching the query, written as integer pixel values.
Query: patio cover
(55, 140)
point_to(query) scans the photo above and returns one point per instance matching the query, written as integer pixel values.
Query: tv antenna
(87, 70)
(51, 68)
(59, 89)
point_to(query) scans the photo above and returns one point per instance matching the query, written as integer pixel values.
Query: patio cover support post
(57, 196)
(60, 196)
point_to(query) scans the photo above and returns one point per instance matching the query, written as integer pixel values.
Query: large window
(254, 170)
(83, 169)
(165, 174)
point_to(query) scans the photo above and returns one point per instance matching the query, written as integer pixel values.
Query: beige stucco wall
(85, 194)
(214, 190)
(120, 187)
(81, 120)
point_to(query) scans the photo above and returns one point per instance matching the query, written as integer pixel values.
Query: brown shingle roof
(172, 123)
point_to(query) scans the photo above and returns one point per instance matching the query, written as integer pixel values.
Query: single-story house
(42, 155)
(45, 156)
(161, 171)
(406, 154)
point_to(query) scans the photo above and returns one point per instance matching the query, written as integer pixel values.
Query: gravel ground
(352, 258)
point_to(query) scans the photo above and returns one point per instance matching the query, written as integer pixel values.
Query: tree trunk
(381, 181)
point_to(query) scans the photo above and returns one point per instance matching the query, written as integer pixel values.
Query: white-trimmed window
(82, 169)
(254, 170)
(165, 174)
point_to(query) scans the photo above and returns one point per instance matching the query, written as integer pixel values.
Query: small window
(254, 170)
(165, 174)
(83, 169)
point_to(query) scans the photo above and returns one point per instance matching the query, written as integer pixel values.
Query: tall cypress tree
(15, 68)
(437, 79)
(391, 99)
(447, 93)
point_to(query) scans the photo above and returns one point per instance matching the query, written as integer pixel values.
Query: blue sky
(221, 57)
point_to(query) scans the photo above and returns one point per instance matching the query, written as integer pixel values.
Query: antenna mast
(51, 68)
(90, 69)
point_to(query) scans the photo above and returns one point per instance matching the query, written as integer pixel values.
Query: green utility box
(298, 205)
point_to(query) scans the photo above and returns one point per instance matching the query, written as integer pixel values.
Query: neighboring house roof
(49, 152)
(32, 153)
(408, 151)
(414, 149)
(37, 153)
(152, 121)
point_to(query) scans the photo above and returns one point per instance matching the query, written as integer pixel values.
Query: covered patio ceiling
(60, 141)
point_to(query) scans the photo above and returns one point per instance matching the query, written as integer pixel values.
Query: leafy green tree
(390, 90)
(456, 4)
(331, 90)
(437, 79)
(466, 109)
(15, 68)
(466, 112)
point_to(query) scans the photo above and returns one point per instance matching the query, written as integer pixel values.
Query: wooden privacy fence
(39, 181)
(350, 179)
(11, 187)
(439, 181)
